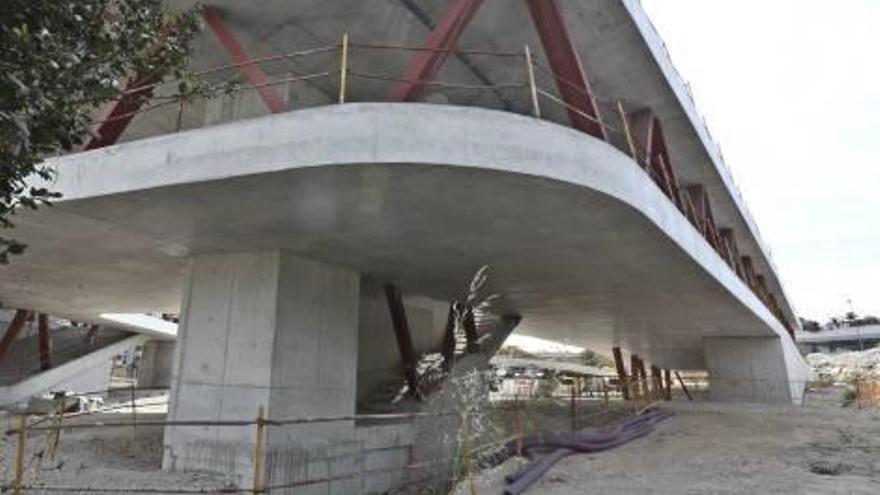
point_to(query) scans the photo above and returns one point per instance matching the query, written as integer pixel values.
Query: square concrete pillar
(263, 329)
(157, 361)
(758, 369)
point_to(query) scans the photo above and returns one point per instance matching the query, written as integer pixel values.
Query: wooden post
(133, 408)
(343, 71)
(19, 454)
(668, 379)
(258, 450)
(518, 426)
(533, 88)
(180, 114)
(683, 387)
(573, 408)
(621, 372)
(59, 420)
(629, 139)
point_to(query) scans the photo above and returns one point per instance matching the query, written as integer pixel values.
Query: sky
(791, 91)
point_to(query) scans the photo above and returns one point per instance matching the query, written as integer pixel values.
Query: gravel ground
(112, 460)
(706, 448)
(714, 448)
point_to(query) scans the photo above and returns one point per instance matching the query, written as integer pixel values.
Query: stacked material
(846, 366)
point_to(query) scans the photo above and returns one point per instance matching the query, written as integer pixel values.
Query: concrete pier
(261, 329)
(157, 362)
(758, 369)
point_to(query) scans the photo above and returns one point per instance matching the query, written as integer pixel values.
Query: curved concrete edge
(385, 133)
(678, 87)
(72, 375)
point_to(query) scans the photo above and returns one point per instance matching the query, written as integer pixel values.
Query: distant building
(840, 339)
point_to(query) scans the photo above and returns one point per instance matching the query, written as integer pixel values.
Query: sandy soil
(107, 459)
(706, 448)
(713, 448)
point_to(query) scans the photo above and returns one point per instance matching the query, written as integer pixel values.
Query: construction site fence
(351, 71)
(479, 436)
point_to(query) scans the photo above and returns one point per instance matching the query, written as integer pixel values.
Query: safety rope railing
(527, 93)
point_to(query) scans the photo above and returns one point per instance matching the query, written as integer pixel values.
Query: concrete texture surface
(581, 242)
(624, 57)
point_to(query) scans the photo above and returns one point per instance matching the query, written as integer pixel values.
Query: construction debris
(846, 366)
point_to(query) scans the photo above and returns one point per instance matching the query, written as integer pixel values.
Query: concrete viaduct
(312, 229)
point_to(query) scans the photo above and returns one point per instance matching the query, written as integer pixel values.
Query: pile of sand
(846, 366)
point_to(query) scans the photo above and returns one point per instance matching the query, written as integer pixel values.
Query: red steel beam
(116, 116)
(621, 372)
(571, 79)
(426, 63)
(652, 152)
(403, 337)
(44, 342)
(12, 331)
(255, 76)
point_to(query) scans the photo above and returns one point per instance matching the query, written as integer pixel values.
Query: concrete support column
(263, 329)
(157, 361)
(760, 369)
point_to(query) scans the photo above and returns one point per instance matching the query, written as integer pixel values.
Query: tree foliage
(59, 62)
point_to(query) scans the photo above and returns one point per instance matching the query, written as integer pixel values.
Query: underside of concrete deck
(581, 242)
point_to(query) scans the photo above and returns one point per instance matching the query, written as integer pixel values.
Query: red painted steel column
(252, 71)
(622, 379)
(114, 119)
(426, 63)
(12, 331)
(403, 336)
(44, 341)
(571, 79)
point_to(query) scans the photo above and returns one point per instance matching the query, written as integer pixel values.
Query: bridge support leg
(760, 369)
(264, 329)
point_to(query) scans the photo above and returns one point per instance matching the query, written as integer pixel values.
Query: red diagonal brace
(651, 144)
(403, 336)
(252, 71)
(572, 81)
(116, 116)
(427, 62)
(12, 331)
(44, 341)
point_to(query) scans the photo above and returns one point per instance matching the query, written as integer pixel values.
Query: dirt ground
(714, 448)
(705, 448)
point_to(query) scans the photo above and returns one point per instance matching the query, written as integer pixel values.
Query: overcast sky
(791, 91)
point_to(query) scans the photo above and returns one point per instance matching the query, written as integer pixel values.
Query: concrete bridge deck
(581, 242)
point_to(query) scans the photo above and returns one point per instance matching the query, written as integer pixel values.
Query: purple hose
(565, 444)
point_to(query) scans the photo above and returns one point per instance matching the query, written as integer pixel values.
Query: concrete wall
(755, 369)
(379, 361)
(275, 330)
(157, 361)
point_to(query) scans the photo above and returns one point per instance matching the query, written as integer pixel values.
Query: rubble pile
(846, 366)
